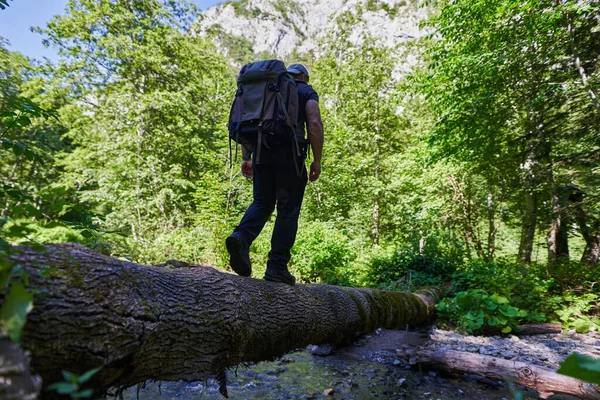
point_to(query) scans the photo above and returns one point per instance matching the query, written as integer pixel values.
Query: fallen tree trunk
(545, 381)
(147, 322)
(538, 329)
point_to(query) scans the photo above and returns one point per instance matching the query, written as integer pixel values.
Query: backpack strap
(289, 123)
(259, 144)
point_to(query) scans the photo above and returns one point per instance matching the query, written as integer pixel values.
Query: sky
(16, 20)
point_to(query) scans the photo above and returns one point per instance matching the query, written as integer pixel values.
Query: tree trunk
(184, 323)
(535, 154)
(591, 253)
(558, 238)
(492, 229)
(591, 235)
(528, 227)
(545, 381)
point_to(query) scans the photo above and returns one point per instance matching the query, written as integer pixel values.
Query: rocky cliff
(247, 29)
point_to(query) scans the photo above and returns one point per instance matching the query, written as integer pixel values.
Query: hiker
(280, 178)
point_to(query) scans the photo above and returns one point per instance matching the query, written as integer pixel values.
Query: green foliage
(527, 287)
(322, 254)
(72, 384)
(581, 367)
(474, 311)
(424, 262)
(17, 115)
(575, 310)
(153, 126)
(13, 313)
(3, 4)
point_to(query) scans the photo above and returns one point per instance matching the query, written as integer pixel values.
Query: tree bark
(528, 227)
(545, 381)
(558, 235)
(538, 329)
(492, 229)
(590, 230)
(184, 323)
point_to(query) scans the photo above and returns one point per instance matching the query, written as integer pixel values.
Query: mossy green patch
(362, 315)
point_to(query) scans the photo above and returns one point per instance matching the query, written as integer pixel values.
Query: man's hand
(315, 171)
(247, 168)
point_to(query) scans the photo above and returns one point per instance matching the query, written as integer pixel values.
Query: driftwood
(545, 381)
(538, 329)
(147, 322)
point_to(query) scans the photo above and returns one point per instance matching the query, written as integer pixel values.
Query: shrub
(474, 311)
(322, 254)
(431, 264)
(526, 286)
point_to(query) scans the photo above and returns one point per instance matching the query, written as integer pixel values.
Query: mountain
(298, 29)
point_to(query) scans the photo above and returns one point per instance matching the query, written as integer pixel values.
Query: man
(276, 181)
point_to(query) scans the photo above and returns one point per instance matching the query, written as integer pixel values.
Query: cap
(296, 69)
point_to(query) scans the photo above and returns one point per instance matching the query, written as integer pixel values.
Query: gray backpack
(265, 109)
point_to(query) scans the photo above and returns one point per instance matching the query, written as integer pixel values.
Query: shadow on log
(189, 323)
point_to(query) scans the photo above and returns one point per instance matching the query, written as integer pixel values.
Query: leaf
(499, 299)
(7, 144)
(14, 311)
(18, 148)
(507, 329)
(23, 120)
(30, 155)
(86, 234)
(84, 394)
(87, 375)
(581, 367)
(15, 194)
(69, 376)
(582, 325)
(512, 312)
(63, 387)
(490, 304)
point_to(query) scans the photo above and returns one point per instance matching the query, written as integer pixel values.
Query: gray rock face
(285, 27)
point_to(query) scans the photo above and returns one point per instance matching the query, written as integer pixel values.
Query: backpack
(265, 108)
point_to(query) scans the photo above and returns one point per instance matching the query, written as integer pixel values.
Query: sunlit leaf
(14, 312)
(581, 367)
(87, 375)
(63, 387)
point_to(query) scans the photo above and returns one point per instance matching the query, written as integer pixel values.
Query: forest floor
(369, 368)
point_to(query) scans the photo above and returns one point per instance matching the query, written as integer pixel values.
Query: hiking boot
(239, 259)
(279, 275)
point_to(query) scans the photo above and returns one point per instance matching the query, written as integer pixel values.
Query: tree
(147, 123)
(502, 81)
(365, 133)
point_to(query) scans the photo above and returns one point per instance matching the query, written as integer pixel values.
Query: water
(366, 370)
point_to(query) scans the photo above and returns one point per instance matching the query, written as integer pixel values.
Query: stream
(368, 369)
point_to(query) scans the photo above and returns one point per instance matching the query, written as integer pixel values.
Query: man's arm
(315, 137)
(246, 162)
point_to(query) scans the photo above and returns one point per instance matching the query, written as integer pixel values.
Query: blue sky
(16, 20)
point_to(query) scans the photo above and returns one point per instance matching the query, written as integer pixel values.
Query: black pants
(276, 181)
